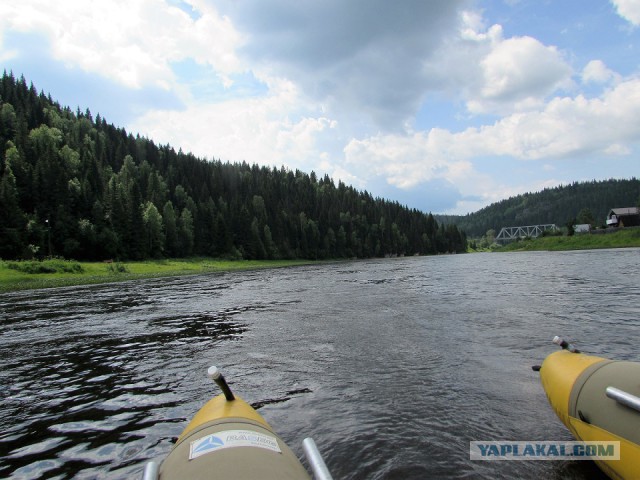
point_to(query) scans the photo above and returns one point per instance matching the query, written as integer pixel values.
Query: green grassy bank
(24, 275)
(623, 238)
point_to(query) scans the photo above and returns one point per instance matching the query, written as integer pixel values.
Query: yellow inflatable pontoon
(228, 439)
(598, 400)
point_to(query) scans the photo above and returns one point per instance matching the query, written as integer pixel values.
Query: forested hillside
(78, 187)
(558, 205)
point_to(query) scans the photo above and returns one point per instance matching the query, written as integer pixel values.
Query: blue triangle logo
(209, 443)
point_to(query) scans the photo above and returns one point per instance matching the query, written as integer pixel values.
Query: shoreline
(97, 273)
(71, 273)
(624, 238)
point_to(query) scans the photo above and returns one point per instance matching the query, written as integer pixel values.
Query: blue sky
(446, 105)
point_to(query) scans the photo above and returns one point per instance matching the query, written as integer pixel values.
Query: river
(392, 366)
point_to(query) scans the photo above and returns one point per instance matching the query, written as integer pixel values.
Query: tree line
(579, 202)
(79, 187)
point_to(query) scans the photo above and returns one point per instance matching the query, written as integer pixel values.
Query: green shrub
(31, 267)
(46, 266)
(117, 268)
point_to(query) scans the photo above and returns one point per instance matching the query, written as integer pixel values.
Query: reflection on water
(392, 366)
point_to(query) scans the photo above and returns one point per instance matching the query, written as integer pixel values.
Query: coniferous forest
(76, 186)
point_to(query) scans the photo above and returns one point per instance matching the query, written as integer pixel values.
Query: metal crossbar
(533, 231)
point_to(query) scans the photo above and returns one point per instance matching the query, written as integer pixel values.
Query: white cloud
(569, 126)
(406, 161)
(597, 72)
(565, 128)
(493, 74)
(616, 149)
(132, 42)
(496, 74)
(629, 10)
(337, 172)
(280, 128)
(520, 72)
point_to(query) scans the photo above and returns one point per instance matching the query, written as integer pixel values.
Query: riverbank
(623, 238)
(27, 275)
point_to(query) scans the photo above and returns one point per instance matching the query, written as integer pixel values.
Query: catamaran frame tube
(319, 468)
(624, 398)
(150, 471)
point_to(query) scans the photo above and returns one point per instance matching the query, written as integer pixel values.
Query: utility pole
(48, 236)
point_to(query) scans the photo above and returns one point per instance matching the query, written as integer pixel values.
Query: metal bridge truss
(514, 233)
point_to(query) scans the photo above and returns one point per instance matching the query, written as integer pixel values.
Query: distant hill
(556, 205)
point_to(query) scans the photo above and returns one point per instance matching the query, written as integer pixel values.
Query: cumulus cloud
(132, 42)
(565, 128)
(520, 71)
(629, 10)
(568, 126)
(278, 128)
(406, 161)
(493, 74)
(597, 72)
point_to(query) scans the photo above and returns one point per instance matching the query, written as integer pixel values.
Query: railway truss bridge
(508, 234)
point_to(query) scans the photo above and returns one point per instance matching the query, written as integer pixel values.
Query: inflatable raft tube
(229, 439)
(598, 400)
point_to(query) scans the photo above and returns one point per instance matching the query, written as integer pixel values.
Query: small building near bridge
(624, 217)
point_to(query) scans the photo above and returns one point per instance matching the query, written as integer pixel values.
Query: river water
(392, 366)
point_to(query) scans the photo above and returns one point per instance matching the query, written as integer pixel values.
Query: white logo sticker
(230, 439)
